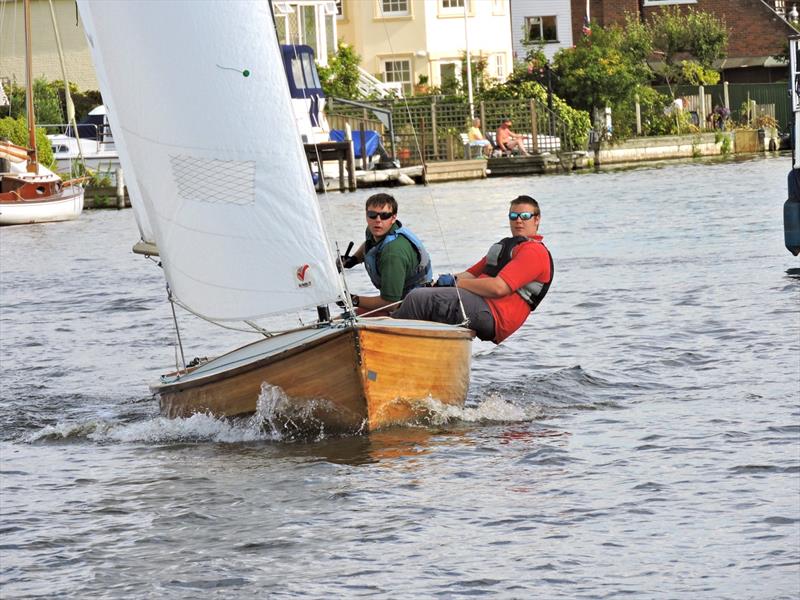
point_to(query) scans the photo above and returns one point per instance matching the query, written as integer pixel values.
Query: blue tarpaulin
(372, 138)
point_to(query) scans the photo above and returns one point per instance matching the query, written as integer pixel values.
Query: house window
(398, 71)
(339, 9)
(452, 4)
(500, 66)
(666, 2)
(541, 29)
(391, 8)
(448, 76)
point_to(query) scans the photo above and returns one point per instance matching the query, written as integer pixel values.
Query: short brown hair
(378, 200)
(526, 200)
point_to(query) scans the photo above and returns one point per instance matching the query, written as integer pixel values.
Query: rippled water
(640, 436)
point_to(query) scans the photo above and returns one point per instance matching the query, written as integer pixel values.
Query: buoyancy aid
(421, 275)
(499, 256)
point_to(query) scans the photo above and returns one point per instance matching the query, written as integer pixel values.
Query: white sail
(200, 109)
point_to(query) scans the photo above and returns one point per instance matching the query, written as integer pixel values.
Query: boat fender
(791, 214)
(499, 255)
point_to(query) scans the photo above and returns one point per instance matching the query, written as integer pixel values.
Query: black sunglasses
(385, 216)
(525, 216)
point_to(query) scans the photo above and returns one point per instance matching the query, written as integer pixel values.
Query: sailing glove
(354, 300)
(348, 262)
(445, 280)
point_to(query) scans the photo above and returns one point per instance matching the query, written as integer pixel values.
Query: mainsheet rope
(438, 220)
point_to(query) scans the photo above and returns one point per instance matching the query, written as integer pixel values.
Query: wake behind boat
(238, 227)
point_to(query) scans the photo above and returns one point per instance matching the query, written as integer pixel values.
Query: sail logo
(303, 279)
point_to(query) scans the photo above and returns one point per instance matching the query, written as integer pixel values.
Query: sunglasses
(384, 216)
(525, 216)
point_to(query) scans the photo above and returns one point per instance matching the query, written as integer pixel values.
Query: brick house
(758, 30)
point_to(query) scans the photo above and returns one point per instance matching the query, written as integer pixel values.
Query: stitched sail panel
(214, 180)
(218, 167)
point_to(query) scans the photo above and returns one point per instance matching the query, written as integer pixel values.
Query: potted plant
(422, 85)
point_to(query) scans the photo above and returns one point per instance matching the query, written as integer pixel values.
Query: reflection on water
(638, 436)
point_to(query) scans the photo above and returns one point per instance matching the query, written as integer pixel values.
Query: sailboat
(193, 91)
(29, 191)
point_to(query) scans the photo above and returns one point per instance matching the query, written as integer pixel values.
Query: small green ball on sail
(246, 72)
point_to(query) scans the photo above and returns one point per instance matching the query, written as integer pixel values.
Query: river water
(639, 436)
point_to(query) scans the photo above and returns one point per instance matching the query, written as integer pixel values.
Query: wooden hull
(40, 200)
(357, 378)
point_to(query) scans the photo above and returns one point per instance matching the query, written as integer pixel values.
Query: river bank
(107, 197)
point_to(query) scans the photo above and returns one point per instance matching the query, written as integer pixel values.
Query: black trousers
(441, 305)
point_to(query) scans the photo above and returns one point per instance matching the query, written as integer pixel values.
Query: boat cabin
(308, 99)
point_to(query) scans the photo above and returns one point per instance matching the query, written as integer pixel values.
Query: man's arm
(485, 287)
(373, 302)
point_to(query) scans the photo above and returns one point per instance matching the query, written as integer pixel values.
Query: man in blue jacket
(395, 259)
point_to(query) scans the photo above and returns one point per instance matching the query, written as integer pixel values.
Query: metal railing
(431, 130)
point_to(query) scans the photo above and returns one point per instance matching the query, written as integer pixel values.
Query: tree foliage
(340, 78)
(688, 42)
(605, 68)
(49, 101)
(16, 131)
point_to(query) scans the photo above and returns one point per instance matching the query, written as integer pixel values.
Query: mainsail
(200, 109)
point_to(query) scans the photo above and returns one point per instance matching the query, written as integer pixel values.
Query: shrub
(16, 131)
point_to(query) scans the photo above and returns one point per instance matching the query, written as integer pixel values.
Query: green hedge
(16, 131)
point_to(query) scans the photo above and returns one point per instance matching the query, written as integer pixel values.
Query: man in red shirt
(497, 293)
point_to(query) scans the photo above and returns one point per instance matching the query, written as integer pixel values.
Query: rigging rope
(420, 150)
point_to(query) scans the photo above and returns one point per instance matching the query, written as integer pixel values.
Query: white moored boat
(30, 192)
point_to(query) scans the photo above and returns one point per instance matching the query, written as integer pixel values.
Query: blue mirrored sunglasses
(525, 216)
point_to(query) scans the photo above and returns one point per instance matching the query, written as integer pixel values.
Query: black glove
(348, 262)
(354, 300)
(445, 280)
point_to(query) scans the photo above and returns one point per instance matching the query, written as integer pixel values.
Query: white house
(546, 21)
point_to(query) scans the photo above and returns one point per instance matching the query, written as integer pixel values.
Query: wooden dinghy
(343, 378)
(239, 230)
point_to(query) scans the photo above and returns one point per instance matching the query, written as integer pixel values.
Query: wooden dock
(340, 152)
(453, 170)
(535, 164)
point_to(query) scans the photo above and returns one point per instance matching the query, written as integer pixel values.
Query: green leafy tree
(688, 42)
(16, 131)
(340, 78)
(46, 104)
(604, 69)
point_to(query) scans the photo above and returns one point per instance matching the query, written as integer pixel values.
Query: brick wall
(80, 69)
(754, 29)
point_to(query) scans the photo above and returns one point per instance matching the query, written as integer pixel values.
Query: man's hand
(354, 300)
(445, 280)
(348, 262)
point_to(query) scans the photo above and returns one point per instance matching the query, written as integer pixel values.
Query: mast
(469, 64)
(33, 159)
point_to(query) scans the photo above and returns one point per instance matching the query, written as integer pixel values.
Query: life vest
(499, 256)
(421, 275)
